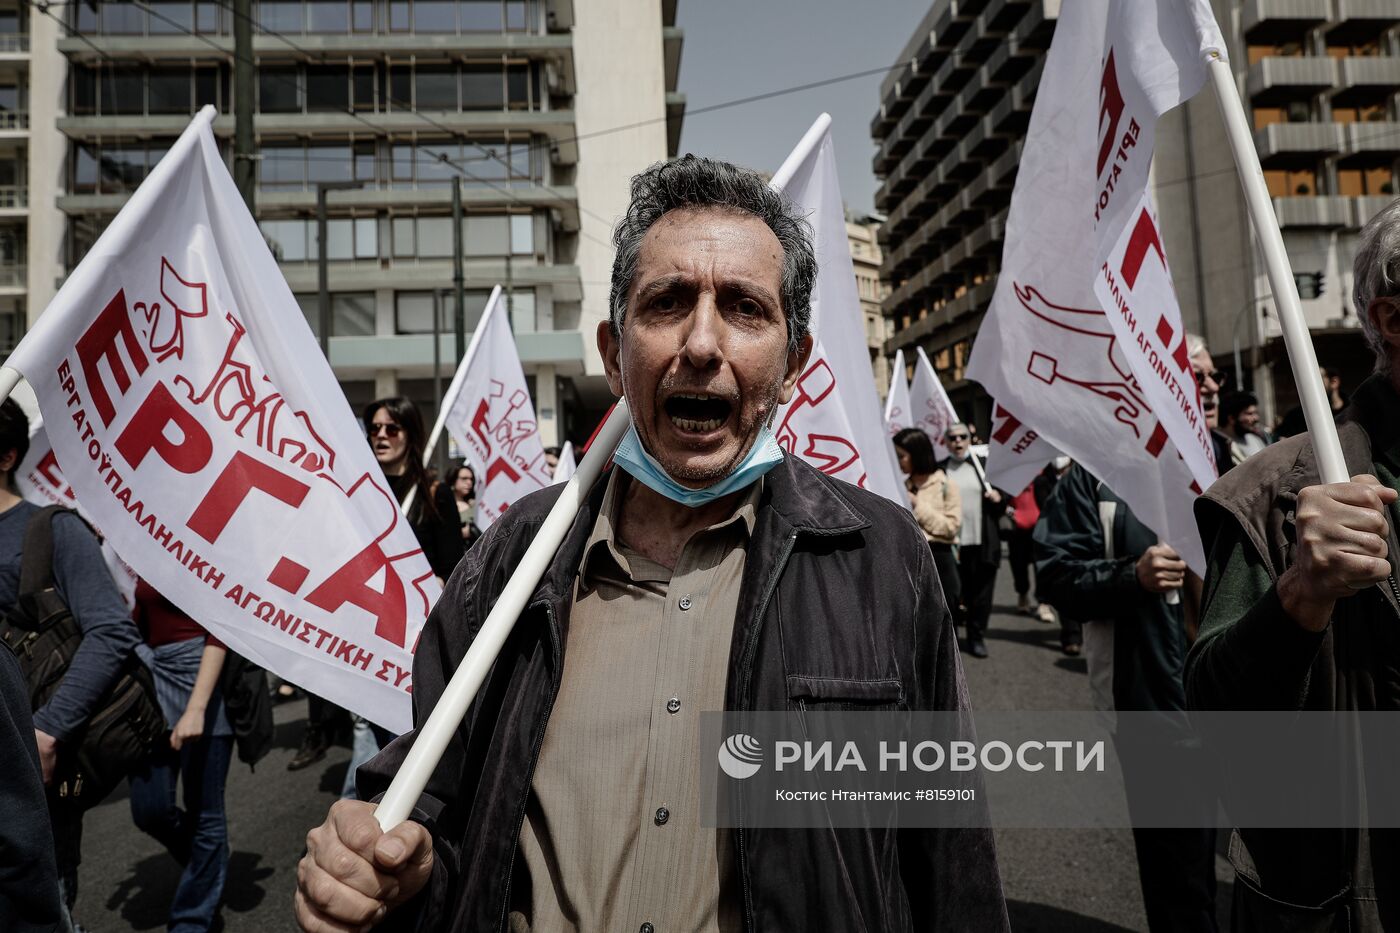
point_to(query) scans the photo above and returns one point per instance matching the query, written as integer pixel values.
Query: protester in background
(108, 644)
(936, 502)
(1301, 612)
(396, 433)
(979, 537)
(1239, 421)
(29, 898)
(551, 460)
(708, 571)
(1071, 628)
(463, 479)
(1025, 511)
(186, 662)
(1097, 563)
(1293, 423)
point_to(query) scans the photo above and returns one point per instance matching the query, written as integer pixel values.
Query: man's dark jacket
(839, 607)
(1251, 656)
(1087, 544)
(992, 513)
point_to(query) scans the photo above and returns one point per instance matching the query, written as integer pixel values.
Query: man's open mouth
(698, 412)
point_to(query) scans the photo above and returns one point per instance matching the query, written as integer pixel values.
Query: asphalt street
(1056, 880)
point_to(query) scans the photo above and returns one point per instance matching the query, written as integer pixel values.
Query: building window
(327, 88)
(278, 89)
(414, 311)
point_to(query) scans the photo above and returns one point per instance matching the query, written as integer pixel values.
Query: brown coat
(937, 507)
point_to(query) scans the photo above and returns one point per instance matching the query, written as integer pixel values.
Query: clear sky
(740, 48)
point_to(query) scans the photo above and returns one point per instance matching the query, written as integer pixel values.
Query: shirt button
(647, 928)
(685, 603)
(662, 815)
(673, 705)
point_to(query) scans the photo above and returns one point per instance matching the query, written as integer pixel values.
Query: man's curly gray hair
(1376, 274)
(695, 182)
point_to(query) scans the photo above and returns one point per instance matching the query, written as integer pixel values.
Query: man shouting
(708, 571)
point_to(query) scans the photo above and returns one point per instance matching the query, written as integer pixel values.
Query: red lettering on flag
(99, 341)
(242, 475)
(146, 432)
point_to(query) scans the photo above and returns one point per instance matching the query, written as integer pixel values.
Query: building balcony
(556, 125)
(1280, 80)
(318, 47)
(14, 43)
(1321, 211)
(14, 199)
(1375, 143)
(1275, 21)
(1297, 145)
(13, 277)
(1366, 80)
(1361, 21)
(412, 354)
(1367, 207)
(975, 299)
(561, 199)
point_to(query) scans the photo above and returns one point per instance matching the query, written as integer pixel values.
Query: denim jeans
(197, 834)
(368, 739)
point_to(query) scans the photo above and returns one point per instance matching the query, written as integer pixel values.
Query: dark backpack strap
(36, 560)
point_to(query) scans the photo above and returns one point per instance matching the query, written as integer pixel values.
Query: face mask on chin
(763, 455)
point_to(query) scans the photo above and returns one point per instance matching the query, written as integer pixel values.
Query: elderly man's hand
(1341, 548)
(353, 873)
(1160, 569)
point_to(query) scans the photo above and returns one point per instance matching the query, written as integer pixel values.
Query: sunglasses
(1219, 378)
(959, 437)
(389, 430)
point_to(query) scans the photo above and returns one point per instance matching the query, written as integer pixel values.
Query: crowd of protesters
(1079, 558)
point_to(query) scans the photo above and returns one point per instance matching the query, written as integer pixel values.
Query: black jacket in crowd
(839, 605)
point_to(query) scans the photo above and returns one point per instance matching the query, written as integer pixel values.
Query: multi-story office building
(1320, 81)
(949, 131)
(863, 234)
(544, 111)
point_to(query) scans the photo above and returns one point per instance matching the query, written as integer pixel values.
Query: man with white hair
(1301, 611)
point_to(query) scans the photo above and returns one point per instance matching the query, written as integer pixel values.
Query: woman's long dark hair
(916, 444)
(406, 416)
(455, 474)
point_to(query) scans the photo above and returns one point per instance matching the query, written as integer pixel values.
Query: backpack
(44, 636)
(248, 706)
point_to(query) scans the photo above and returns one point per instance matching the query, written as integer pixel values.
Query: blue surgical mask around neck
(641, 466)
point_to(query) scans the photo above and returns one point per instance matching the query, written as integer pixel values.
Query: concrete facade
(864, 236)
(533, 103)
(1321, 84)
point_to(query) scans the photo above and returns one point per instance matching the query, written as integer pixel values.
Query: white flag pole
(450, 397)
(799, 154)
(1296, 339)
(434, 735)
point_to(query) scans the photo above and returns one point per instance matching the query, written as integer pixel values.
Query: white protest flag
(41, 482)
(897, 416)
(567, 465)
(1062, 370)
(833, 420)
(200, 426)
(931, 409)
(491, 418)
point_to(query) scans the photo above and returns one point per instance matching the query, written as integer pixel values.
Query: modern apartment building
(544, 109)
(1321, 82)
(863, 234)
(949, 131)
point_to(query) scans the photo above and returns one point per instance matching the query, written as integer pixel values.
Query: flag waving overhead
(1083, 347)
(196, 419)
(929, 405)
(492, 419)
(897, 416)
(833, 420)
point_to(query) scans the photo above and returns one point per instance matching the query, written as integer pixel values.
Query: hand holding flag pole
(434, 735)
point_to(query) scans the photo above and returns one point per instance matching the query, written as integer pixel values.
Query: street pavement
(1084, 881)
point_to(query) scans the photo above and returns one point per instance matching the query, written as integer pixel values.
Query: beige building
(545, 107)
(1321, 84)
(863, 234)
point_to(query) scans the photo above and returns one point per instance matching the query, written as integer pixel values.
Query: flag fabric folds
(492, 420)
(930, 408)
(1083, 347)
(833, 420)
(897, 416)
(198, 423)
(567, 465)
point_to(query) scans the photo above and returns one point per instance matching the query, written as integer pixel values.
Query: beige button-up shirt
(612, 838)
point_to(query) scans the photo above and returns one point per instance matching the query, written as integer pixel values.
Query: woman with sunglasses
(395, 430)
(462, 480)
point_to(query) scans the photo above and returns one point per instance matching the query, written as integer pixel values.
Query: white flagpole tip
(9, 378)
